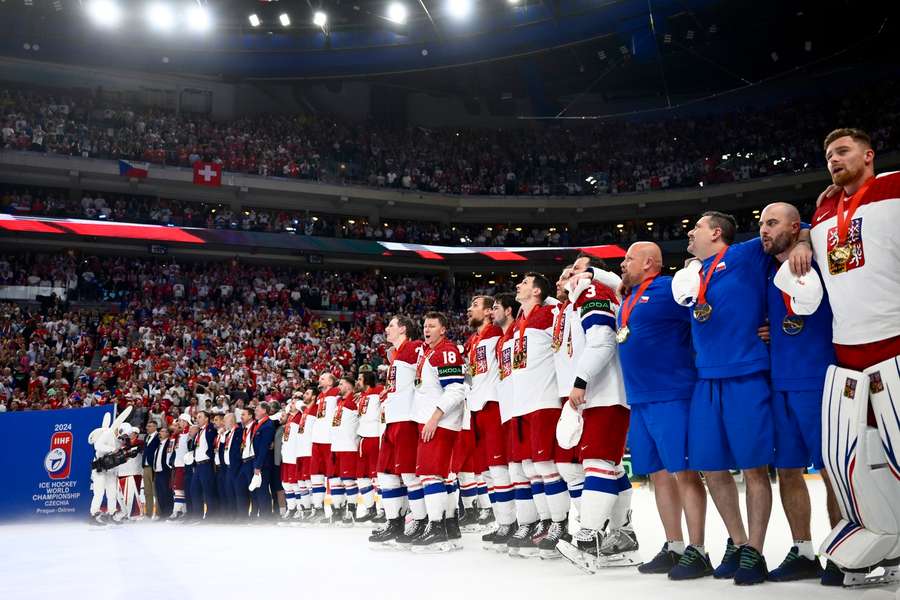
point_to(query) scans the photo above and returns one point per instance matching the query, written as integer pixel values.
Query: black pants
(164, 498)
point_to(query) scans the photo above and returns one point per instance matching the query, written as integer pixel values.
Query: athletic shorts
(463, 458)
(347, 464)
(730, 424)
(303, 468)
(604, 433)
(518, 442)
(322, 461)
(433, 456)
(657, 436)
(399, 444)
(289, 472)
(368, 457)
(541, 427)
(490, 436)
(798, 429)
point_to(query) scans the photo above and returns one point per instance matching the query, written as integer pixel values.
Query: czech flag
(128, 168)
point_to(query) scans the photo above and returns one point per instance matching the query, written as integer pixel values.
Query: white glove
(686, 283)
(569, 427)
(255, 482)
(805, 291)
(189, 458)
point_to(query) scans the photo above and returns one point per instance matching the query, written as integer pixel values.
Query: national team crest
(505, 363)
(392, 380)
(876, 386)
(58, 461)
(480, 365)
(849, 387)
(854, 243)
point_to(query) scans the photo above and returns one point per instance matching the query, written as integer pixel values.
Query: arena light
(284, 19)
(459, 9)
(198, 19)
(160, 17)
(254, 20)
(320, 18)
(104, 13)
(397, 13)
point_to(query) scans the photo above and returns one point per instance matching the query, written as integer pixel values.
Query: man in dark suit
(203, 483)
(151, 443)
(263, 437)
(232, 435)
(161, 462)
(244, 467)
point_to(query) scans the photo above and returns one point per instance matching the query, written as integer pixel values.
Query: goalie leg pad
(854, 460)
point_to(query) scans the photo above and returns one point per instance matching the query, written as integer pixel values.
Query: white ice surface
(167, 561)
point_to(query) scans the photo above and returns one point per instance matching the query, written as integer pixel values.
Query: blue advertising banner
(46, 459)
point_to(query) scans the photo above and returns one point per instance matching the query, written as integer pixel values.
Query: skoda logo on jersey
(58, 461)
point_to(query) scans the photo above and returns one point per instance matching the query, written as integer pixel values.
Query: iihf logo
(58, 462)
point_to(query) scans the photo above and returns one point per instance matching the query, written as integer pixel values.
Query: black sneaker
(795, 567)
(433, 538)
(521, 539)
(730, 562)
(832, 575)
(753, 567)
(558, 530)
(414, 529)
(662, 563)
(691, 565)
(392, 530)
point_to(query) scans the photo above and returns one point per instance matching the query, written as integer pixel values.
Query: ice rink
(159, 560)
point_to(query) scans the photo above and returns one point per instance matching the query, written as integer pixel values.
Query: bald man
(801, 350)
(651, 324)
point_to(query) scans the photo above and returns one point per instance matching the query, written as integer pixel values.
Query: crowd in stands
(181, 333)
(144, 209)
(616, 155)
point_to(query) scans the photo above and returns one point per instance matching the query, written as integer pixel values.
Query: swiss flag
(207, 173)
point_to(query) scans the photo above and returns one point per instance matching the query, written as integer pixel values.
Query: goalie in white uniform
(855, 243)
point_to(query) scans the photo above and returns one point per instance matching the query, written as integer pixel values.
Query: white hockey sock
(304, 495)
(482, 499)
(337, 492)
(623, 503)
(573, 475)
(453, 492)
(435, 491)
(393, 494)
(318, 490)
(414, 495)
(468, 489)
(502, 495)
(537, 490)
(351, 491)
(366, 491)
(601, 490)
(525, 510)
(555, 490)
(289, 497)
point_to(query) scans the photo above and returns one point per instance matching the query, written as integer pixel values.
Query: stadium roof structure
(665, 50)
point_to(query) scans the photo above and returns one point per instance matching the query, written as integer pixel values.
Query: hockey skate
(558, 530)
(520, 543)
(620, 547)
(379, 517)
(414, 529)
(433, 540)
(99, 521)
(454, 535)
(385, 537)
(485, 518)
(583, 551)
(885, 573)
(348, 519)
(367, 516)
(468, 521)
(500, 537)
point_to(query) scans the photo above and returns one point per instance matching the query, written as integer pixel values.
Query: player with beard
(801, 350)
(855, 244)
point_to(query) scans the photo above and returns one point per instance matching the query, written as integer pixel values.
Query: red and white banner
(207, 173)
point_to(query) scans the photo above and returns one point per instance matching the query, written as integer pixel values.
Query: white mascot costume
(105, 481)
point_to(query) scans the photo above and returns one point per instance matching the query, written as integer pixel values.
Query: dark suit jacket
(262, 441)
(150, 451)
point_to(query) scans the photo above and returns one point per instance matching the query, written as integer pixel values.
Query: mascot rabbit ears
(108, 424)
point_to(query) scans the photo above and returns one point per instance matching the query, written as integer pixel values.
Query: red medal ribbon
(560, 321)
(704, 283)
(628, 307)
(844, 219)
(420, 364)
(520, 339)
(478, 337)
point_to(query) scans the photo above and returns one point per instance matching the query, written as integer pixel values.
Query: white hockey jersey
(370, 413)
(325, 406)
(482, 374)
(440, 385)
(563, 348)
(534, 372)
(398, 404)
(307, 425)
(865, 292)
(344, 425)
(505, 392)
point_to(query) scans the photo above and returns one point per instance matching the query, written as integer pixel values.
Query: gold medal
(622, 334)
(702, 312)
(838, 257)
(792, 324)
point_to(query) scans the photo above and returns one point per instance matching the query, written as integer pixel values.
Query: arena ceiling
(616, 48)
